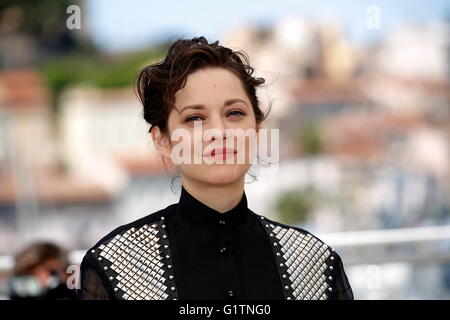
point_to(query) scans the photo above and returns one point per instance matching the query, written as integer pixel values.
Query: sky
(121, 25)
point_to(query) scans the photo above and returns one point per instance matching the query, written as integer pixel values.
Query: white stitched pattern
(136, 259)
(305, 262)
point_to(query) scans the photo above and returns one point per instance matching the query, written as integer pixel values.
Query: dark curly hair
(157, 83)
(36, 254)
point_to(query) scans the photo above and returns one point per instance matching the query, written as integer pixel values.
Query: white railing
(343, 240)
(389, 236)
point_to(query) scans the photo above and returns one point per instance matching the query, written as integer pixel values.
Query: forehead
(210, 85)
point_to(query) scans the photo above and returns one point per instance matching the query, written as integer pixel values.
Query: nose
(217, 124)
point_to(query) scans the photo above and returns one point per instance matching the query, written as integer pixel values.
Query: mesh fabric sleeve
(92, 286)
(342, 288)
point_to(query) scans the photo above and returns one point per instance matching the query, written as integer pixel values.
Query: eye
(237, 113)
(192, 119)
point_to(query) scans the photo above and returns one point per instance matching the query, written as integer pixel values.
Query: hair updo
(157, 83)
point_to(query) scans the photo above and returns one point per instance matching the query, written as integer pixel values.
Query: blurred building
(107, 173)
(380, 155)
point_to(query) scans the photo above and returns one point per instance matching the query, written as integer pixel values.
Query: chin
(222, 174)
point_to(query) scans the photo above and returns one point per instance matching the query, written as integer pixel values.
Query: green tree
(309, 138)
(43, 24)
(294, 206)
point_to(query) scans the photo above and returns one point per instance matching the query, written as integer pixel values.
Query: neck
(220, 198)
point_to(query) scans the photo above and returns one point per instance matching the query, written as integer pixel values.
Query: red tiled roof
(22, 89)
(322, 90)
(53, 187)
(366, 135)
(430, 86)
(145, 164)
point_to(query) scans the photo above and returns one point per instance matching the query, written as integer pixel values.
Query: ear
(161, 142)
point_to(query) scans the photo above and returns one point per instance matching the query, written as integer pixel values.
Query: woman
(40, 273)
(209, 245)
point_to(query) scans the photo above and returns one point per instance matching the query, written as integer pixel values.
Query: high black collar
(197, 212)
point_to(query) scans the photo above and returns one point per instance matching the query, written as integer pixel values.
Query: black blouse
(191, 251)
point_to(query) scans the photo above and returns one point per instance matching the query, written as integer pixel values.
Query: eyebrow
(201, 106)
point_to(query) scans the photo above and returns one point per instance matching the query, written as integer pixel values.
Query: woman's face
(213, 98)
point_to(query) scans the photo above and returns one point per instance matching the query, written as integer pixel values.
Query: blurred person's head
(201, 83)
(39, 272)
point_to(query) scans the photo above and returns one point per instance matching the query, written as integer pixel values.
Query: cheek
(247, 146)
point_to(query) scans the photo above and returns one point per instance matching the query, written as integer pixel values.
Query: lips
(220, 151)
